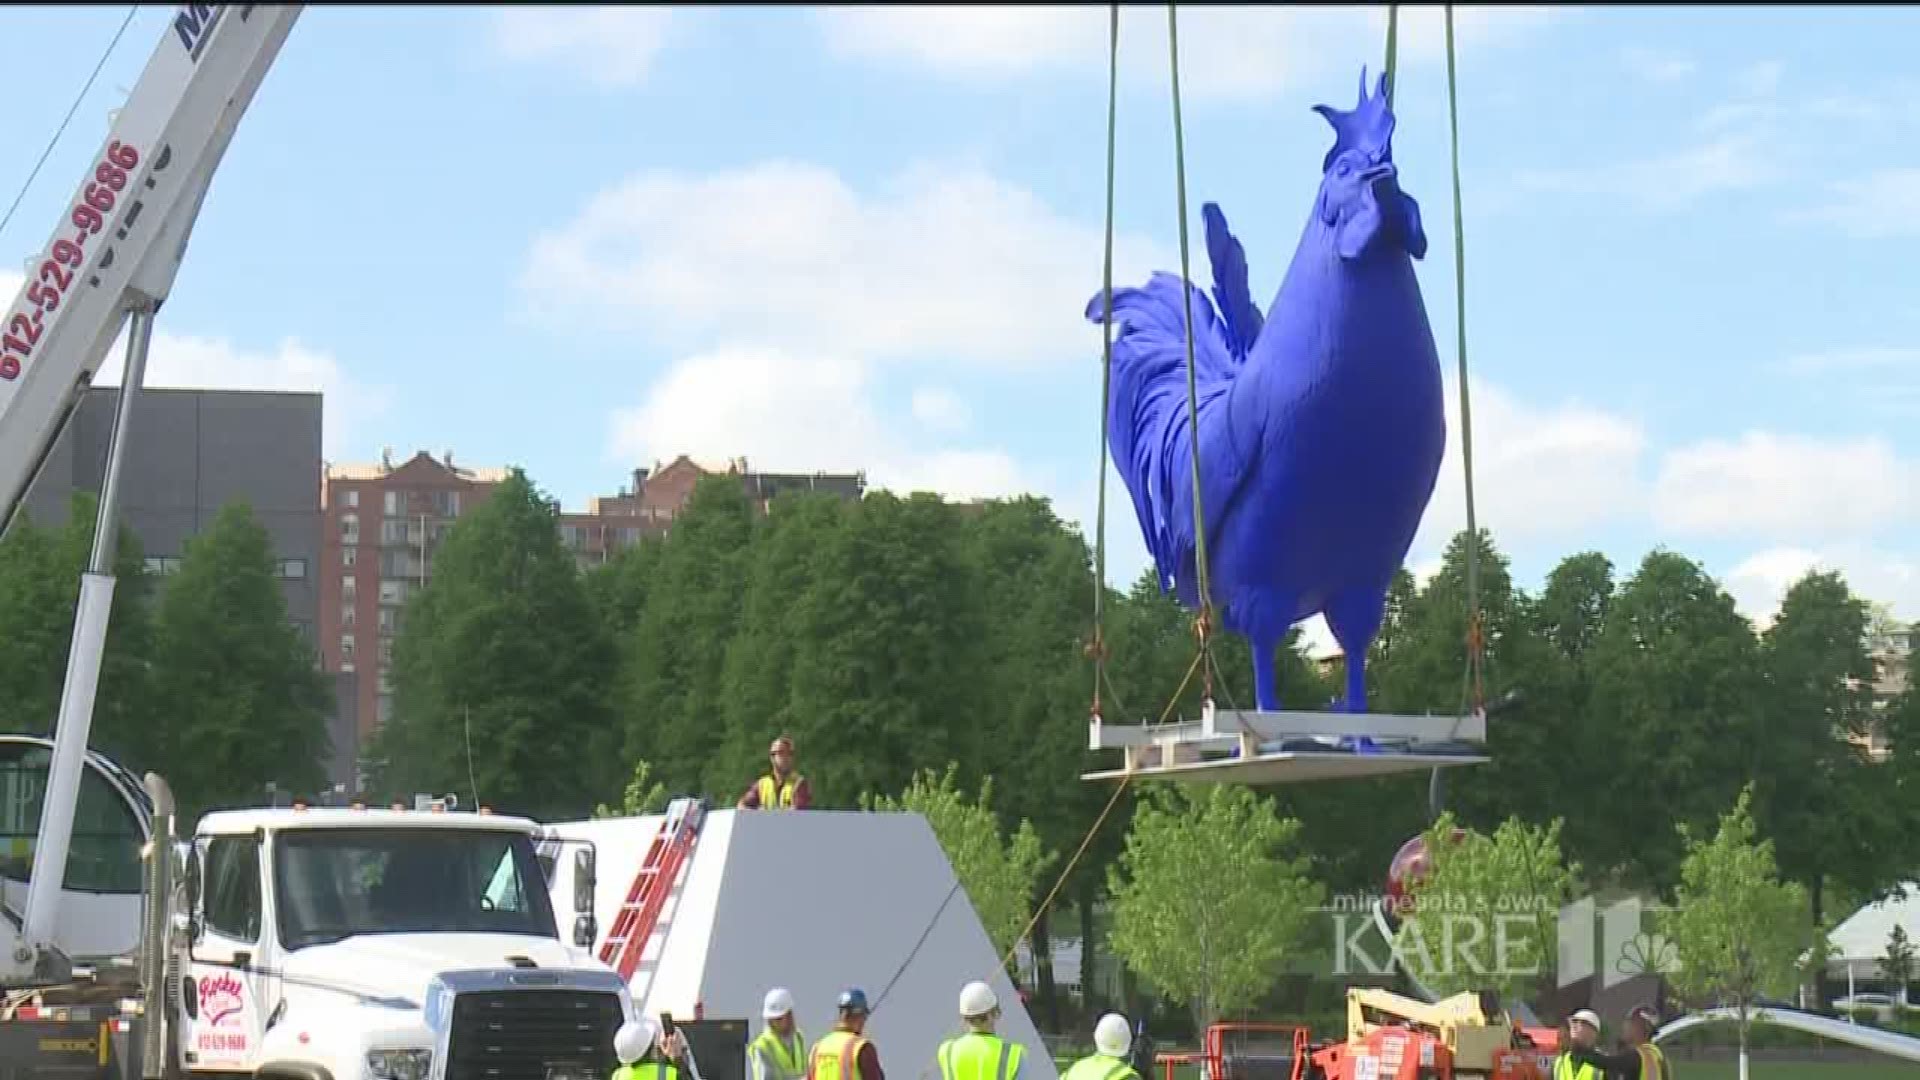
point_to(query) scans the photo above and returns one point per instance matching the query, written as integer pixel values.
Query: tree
(1207, 899)
(1486, 915)
(1898, 962)
(1737, 929)
(238, 696)
(997, 869)
(1675, 685)
(670, 689)
(501, 669)
(40, 569)
(643, 795)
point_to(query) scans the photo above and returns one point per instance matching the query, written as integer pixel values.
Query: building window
(349, 587)
(348, 556)
(386, 651)
(389, 620)
(393, 592)
(346, 615)
(346, 647)
(393, 504)
(383, 708)
(353, 497)
(293, 569)
(349, 528)
(163, 565)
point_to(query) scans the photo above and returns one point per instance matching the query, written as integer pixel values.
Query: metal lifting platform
(1244, 747)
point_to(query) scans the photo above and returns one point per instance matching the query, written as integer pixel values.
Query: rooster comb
(1368, 127)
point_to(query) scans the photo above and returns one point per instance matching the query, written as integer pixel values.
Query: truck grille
(520, 1034)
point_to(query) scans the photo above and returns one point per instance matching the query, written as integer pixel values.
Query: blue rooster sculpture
(1321, 426)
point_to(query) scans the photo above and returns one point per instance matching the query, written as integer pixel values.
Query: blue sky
(581, 240)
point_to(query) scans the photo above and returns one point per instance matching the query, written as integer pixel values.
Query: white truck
(289, 944)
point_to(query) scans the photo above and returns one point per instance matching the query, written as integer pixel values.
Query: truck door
(225, 994)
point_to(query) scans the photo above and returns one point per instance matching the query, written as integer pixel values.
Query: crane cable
(1203, 626)
(1476, 639)
(1097, 648)
(26, 186)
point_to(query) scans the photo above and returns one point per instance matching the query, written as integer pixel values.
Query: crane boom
(120, 241)
(114, 253)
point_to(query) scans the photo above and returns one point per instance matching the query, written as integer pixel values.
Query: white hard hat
(634, 1039)
(977, 999)
(1112, 1035)
(778, 1004)
(1587, 1017)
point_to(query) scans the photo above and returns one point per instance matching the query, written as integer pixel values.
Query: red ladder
(658, 874)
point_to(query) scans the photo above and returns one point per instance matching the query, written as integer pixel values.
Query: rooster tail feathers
(1230, 289)
(1148, 428)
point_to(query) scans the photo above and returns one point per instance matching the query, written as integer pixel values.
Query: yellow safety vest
(1653, 1063)
(768, 801)
(1565, 1069)
(788, 1057)
(836, 1056)
(646, 1070)
(980, 1056)
(1100, 1067)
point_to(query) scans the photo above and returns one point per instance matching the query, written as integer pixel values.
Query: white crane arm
(114, 252)
(119, 242)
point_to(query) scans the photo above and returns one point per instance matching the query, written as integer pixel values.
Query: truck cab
(328, 943)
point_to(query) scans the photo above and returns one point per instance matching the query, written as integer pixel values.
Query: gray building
(193, 452)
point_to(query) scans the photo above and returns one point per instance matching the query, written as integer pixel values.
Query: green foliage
(1486, 916)
(238, 698)
(1897, 962)
(642, 795)
(501, 670)
(1207, 897)
(1737, 929)
(998, 871)
(40, 570)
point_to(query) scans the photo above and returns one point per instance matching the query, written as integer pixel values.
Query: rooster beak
(1383, 171)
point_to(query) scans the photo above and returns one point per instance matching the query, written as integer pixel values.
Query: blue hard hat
(853, 999)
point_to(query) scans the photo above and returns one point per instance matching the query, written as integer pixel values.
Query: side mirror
(583, 881)
(584, 931)
(186, 917)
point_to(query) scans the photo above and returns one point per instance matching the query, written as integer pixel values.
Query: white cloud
(941, 409)
(1759, 582)
(204, 363)
(613, 47)
(1789, 488)
(951, 264)
(1656, 66)
(1226, 53)
(1540, 472)
(1734, 161)
(1883, 204)
(791, 412)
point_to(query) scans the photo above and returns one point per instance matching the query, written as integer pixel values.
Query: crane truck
(286, 943)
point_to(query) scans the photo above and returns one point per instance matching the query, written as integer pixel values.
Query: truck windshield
(335, 883)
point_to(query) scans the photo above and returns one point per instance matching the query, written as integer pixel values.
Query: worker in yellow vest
(845, 1053)
(636, 1044)
(780, 1052)
(1112, 1040)
(980, 1054)
(781, 788)
(1576, 1062)
(1640, 1060)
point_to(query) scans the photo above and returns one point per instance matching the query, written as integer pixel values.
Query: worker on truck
(845, 1053)
(1640, 1060)
(780, 1052)
(980, 1054)
(1574, 1063)
(782, 788)
(1112, 1039)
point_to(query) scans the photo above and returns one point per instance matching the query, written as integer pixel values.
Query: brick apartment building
(384, 523)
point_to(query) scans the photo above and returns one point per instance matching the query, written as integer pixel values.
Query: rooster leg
(1354, 617)
(1266, 684)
